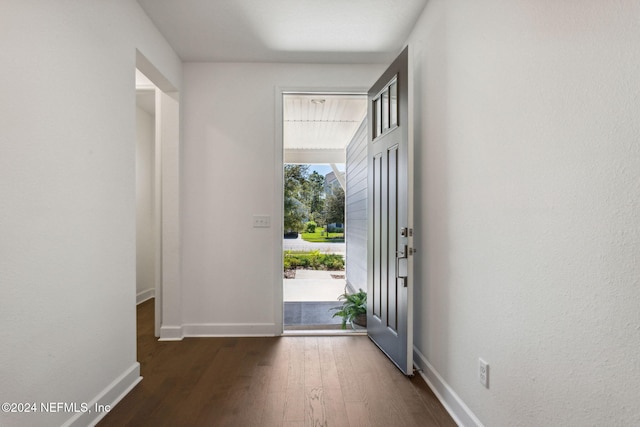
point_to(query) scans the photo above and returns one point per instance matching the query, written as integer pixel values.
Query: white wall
(231, 278)
(529, 207)
(145, 204)
(67, 185)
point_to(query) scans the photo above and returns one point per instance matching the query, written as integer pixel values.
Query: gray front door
(389, 313)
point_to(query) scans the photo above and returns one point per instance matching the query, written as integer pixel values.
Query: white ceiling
(298, 31)
(294, 31)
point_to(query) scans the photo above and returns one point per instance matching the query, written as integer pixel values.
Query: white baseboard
(230, 330)
(458, 410)
(145, 295)
(110, 396)
(177, 333)
(171, 333)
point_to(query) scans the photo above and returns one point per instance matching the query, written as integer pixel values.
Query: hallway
(271, 381)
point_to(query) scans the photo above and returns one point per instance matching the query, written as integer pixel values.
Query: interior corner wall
(230, 173)
(528, 209)
(67, 217)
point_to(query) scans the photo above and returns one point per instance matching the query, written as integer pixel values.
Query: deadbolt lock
(406, 232)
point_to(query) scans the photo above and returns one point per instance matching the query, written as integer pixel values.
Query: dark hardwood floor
(271, 381)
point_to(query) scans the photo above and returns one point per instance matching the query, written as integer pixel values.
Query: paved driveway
(300, 245)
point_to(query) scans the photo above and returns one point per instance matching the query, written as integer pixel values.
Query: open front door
(390, 177)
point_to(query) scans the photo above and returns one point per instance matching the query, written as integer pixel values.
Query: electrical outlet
(261, 221)
(483, 372)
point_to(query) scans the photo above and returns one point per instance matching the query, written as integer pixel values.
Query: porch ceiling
(321, 122)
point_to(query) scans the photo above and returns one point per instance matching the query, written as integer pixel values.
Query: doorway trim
(168, 304)
(278, 224)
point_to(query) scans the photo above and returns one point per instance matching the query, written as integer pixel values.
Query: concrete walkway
(313, 285)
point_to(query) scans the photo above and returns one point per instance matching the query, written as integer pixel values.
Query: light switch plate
(261, 221)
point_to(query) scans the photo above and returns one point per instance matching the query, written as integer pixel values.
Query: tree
(316, 200)
(335, 207)
(295, 211)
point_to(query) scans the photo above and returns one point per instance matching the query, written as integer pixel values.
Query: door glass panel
(385, 110)
(377, 122)
(393, 108)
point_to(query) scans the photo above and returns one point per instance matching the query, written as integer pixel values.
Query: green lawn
(321, 237)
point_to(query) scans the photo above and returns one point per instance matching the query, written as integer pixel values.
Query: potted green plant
(353, 309)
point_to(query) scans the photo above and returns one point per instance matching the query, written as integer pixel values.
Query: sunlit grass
(320, 236)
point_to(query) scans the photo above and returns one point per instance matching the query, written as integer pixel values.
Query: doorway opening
(157, 163)
(148, 232)
(319, 130)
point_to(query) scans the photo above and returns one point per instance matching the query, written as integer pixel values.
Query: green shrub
(333, 262)
(310, 227)
(313, 260)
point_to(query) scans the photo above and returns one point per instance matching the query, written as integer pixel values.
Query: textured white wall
(528, 218)
(230, 277)
(145, 202)
(67, 185)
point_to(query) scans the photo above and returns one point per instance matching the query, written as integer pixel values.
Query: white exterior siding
(356, 209)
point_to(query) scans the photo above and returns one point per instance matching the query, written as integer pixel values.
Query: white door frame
(278, 225)
(168, 304)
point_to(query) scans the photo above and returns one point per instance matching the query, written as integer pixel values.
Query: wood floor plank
(312, 368)
(352, 389)
(432, 403)
(376, 376)
(246, 398)
(280, 355)
(250, 405)
(315, 409)
(273, 411)
(341, 381)
(328, 365)
(294, 404)
(336, 410)
(357, 414)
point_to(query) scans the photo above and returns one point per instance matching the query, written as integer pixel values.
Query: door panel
(389, 322)
(392, 227)
(377, 224)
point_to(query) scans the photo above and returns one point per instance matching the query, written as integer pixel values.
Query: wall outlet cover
(483, 372)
